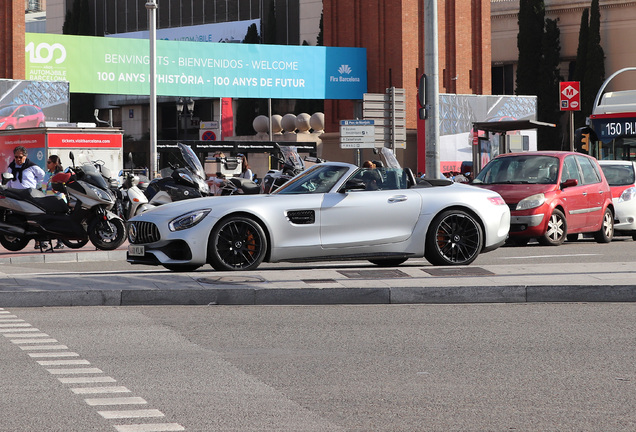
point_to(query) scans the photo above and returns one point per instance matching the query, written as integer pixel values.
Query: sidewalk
(315, 284)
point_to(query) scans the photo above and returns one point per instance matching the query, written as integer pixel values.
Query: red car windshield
(522, 169)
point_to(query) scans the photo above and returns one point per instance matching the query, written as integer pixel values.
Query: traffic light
(585, 142)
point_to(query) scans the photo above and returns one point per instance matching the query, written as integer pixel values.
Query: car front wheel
(237, 243)
(454, 238)
(606, 233)
(556, 230)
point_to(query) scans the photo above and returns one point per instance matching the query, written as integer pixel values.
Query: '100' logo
(35, 53)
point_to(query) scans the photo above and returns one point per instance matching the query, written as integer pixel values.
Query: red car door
(574, 198)
(596, 189)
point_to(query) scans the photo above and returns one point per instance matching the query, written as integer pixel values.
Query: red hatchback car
(19, 116)
(552, 195)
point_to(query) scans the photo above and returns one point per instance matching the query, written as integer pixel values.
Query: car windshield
(521, 169)
(619, 175)
(317, 179)
(7, 110)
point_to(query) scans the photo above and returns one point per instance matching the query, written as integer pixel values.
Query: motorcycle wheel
(13, 243)
(107, 234)
(74, 244)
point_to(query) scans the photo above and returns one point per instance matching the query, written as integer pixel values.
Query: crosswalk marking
(63, 362)
(29, 338)
(24, 335)
(116, 401)
(44, 347)
(53, 354)
(33, 341)
(158, 427)
(95, 390)
(131, 414)
(87, 380)
(75, 371)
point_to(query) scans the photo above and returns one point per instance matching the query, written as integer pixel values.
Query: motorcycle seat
(52, 203)
(248, 186)
(23, 194)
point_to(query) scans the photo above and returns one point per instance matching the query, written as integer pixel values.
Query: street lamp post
(189, 105)
(151, 5)
(179, 112)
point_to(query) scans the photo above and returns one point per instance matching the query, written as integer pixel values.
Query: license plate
(136, 250)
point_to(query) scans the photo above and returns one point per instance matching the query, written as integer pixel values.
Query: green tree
(594, 62)
(531, 24)
(270, 25)
(252, 37)
(581, 60)
(320, 40)
(548, 109)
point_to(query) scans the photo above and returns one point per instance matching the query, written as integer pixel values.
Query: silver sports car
(330, 211)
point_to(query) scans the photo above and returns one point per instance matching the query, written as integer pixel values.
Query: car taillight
(497, 200)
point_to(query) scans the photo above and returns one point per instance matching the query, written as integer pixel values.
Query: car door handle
(584, 193)
(397, 198)
(601, 192)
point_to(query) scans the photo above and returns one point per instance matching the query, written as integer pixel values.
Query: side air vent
(301, 217)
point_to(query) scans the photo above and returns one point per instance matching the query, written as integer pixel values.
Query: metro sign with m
(570, 95)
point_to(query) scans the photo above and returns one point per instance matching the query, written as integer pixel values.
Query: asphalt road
(494, 367)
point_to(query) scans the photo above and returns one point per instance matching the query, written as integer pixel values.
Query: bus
(611, 130)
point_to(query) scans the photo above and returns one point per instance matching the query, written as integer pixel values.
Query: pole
(151, 5)
(431, 70)
(571, 131)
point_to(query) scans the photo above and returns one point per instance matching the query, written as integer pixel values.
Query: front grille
(512, 207)
(146, 232)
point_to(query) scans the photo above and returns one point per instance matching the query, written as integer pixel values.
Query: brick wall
(391, 30)
(12, 39)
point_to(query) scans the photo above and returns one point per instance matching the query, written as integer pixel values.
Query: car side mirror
(569, 183)
(354, 185)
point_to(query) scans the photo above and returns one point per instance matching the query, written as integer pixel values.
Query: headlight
(628, 194)
(533, 201)
(104, 195)
(186, 177)
(188, 220)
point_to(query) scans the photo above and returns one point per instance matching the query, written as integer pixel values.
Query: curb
(245, 295)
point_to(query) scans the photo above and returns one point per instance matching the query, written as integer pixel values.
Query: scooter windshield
(291, 157)
(191, 159)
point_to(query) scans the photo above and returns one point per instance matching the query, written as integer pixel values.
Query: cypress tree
(252, 37)
(595, 61)
(319, 39)
(581, 60)
(531, 24)
(548, 85)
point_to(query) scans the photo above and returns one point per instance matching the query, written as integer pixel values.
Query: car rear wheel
(556, 231)
(606, 233)
(237, 243)
(454, 238)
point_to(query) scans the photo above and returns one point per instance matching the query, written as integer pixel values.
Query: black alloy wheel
(237, 243)
(454, 238)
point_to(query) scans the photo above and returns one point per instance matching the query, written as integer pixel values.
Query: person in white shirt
(246, 172)
(26, 174)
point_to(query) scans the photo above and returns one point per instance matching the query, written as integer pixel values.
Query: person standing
(53, 166)
(26, 174)
(246, 172)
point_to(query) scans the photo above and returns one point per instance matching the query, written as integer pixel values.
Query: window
(590, 174)
(570, 170)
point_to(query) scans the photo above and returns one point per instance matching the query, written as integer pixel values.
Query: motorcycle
(29, 214)
(179, 183)
(132, 200)
(291, 164)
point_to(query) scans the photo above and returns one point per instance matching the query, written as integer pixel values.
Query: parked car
(331, 210)
(17, 116)
(552, 196)
(621, 176)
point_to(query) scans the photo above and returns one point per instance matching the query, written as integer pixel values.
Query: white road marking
(131, 414)
(116, 401)
(44, 347)
(24, 335)
(75, 371)
(160, 427)
(30, 338)
(546, 256)
(53, 354)
(63, 362)
(33, 341)
(96, 390)
(87, 380)
(17, 330)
